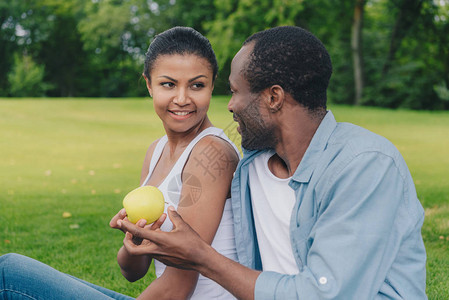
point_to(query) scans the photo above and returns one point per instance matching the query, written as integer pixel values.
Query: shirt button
(323, 280)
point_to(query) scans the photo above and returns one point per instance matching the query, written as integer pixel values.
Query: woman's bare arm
(134, 267)
(206, 179)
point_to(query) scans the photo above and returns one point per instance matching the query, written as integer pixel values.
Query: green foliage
(26, 78)
(191, 13)
(442, 91)
(9, 14)
(237, 20)
(402, 70)
(102, 28)
(96, 48)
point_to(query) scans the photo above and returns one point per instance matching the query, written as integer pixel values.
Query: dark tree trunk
(409, 11)
(356, 45)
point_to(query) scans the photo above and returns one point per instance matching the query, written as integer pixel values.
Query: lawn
(82, 156)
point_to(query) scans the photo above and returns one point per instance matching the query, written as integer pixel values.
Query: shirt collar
(317, 146)
(249, 155)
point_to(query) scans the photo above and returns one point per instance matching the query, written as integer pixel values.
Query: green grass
(82, 156)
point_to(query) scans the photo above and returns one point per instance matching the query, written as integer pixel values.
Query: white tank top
(272, 199)
(171, 189)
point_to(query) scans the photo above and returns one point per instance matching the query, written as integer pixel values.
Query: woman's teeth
(181, 113)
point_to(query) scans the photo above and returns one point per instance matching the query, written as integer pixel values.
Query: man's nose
(230, 105)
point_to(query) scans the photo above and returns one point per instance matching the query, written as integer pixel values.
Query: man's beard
(256, 134)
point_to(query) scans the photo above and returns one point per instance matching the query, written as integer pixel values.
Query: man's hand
(181, 248)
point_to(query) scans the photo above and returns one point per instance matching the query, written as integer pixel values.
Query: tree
(236, 20)
(116, 34)
(390, 53)
(26, 78)
(403, 54)
(10, 14)
(408, 11)
(356, 45)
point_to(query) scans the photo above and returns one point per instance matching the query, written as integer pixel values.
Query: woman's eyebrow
(190, 80)
(169, 78)
(195, 78)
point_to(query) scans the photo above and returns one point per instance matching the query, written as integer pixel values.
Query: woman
(192, 165)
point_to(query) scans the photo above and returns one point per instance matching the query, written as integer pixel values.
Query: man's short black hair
(293, 58)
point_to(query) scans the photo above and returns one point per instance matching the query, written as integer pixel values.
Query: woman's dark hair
(292, 58)
(180, 40)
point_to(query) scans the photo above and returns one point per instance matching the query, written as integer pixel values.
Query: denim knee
(10, 259)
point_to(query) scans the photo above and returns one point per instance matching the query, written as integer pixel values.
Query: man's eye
(167, 84)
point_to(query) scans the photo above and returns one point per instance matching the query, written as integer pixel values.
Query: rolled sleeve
(266, 285)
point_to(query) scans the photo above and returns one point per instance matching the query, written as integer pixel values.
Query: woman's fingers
(159, 222)
(119, 216)
(137, 231)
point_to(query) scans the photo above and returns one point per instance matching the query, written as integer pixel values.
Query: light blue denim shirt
(355, 229)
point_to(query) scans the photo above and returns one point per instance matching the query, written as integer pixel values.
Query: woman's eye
(198, 85)
(167, 84)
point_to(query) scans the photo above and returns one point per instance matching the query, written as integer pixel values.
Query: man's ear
(148, 83)
(276, 98)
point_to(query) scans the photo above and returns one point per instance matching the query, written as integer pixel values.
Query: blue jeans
(24, 278)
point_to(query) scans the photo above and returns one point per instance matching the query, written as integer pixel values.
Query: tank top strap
(155, 157)
(179, 166)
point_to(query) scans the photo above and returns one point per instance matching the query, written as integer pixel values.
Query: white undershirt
(272, 201)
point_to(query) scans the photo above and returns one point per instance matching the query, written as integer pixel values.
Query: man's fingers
(134, 249)
(175, 218)
(137, 231)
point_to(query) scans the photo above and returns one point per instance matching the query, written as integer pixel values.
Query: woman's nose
(181, 98)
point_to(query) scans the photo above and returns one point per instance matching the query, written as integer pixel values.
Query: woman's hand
(134, 267)
(121, 215)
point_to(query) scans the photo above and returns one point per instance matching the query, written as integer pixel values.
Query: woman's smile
(181, 115)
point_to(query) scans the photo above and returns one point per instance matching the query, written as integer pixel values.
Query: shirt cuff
(266, 285)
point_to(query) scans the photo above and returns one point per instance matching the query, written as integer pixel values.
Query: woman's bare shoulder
(212, 158)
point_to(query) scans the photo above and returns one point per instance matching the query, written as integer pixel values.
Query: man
(322, 210)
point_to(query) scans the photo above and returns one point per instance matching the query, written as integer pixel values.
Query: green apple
(146, 202)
